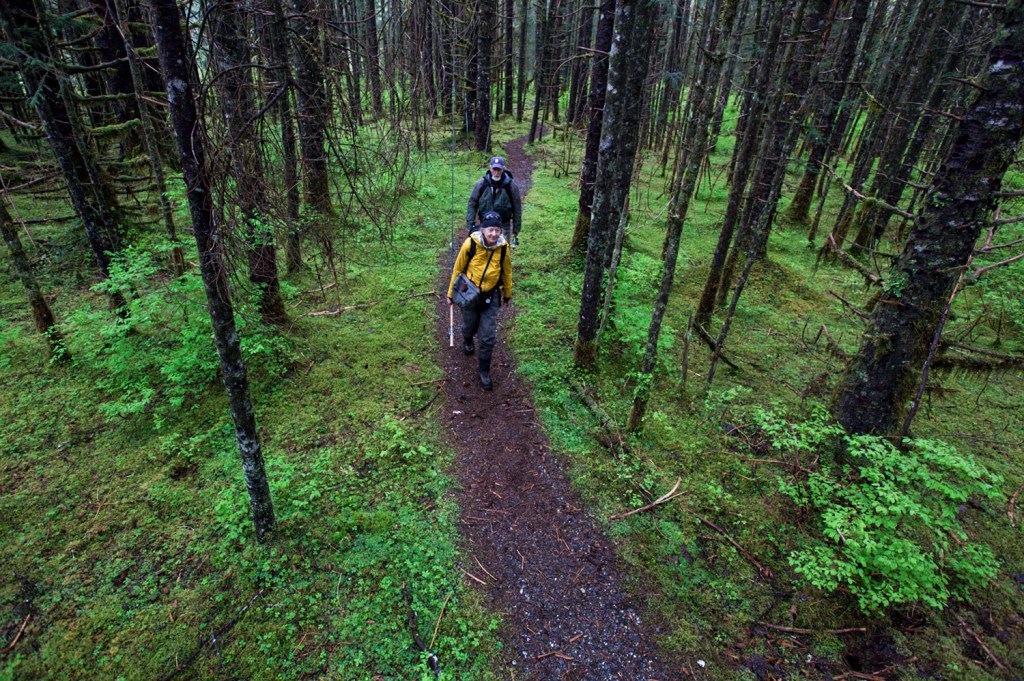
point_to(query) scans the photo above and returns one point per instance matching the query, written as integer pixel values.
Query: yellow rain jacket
(499, 272)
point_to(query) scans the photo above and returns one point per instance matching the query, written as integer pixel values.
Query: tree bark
(232, 57)
(149, 137)
(189, 136)
(311, 98)
(627, 73)
(42, 316)
(524, 15)
(509, 61)
(704, 92)
(278, 50)
(598, 87)
(91, 195)
(879, 380)
(373, 57)
(484, 38)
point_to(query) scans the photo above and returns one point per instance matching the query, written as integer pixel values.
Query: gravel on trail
(529, 544)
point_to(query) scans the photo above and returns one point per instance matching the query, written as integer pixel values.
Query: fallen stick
(607, 422)
(339, 310)
(413, 620)
(798, 630)
(657, 502)
(213, 639)
(423, 408)
(860, 675)
(711, 343)
(765, 572)
(438, 625)
(1012, 510)
(10, 646)
(474, 577)
(781, 463)
(484, 569)
(981, 643)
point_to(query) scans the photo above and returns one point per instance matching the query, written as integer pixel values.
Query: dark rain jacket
(502, 198)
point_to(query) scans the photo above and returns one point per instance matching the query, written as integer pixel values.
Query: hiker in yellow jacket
(485, 260)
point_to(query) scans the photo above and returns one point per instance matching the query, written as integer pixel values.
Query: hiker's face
(496, 173)
(491, 235)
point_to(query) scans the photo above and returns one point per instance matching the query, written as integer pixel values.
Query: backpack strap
(472, 254)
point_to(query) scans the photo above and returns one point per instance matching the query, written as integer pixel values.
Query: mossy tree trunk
(627, 72)
(598, 87)
(704, 91)
(42, 316)
(232, 57)
(484, 37)
(149, 137)
(373, 57)
(275, 36)
(189, 136)
(577, 79)
(743, 155)
(524, 24)
(827, 132)
(882, 376)
(92, 196)
(311, 98)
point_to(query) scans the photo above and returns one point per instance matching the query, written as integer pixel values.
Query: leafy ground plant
(888, 523)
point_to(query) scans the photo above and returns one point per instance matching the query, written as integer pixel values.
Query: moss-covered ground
(127, 550)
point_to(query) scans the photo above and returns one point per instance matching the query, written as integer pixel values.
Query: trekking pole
(451, 326)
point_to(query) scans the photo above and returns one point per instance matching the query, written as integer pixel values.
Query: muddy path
(529, 544)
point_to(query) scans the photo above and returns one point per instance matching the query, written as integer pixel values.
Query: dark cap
(498, 162)
(491, 219)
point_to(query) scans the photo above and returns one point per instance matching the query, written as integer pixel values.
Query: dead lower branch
(669, 496)
(852, 262)
(214, 638)
(762, 570)
(798, 630)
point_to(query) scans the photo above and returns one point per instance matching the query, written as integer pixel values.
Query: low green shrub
(888, 519)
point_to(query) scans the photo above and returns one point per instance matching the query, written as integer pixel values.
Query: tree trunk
(278, 49)
(312, 106)
(149, 139)
(743, 154)
(91, 194)
(232, 57)
(373, 57)
(704, 91)
(42, 316)
(598, 85)
(524, 15)
(190, 139)
(883, 374)
(627, 72)
(510, 7)
(825, 116)
(577, 87)
(484, 38)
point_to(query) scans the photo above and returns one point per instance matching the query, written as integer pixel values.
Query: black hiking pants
(482, 321)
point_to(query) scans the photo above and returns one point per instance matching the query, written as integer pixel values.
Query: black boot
(467, 346)
(485, 375)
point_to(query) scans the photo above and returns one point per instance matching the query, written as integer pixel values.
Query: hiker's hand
(506, 300)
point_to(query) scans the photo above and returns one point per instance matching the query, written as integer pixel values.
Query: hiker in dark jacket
(484, 259)
(496, 191)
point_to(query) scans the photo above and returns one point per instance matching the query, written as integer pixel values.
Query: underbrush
(744, 567)
(128, 548)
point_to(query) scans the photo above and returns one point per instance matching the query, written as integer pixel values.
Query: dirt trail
(545, 565)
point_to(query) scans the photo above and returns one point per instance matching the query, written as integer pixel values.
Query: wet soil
(530, 545)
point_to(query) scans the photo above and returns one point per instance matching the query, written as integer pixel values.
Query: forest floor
(420, 518)
(545, 565)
